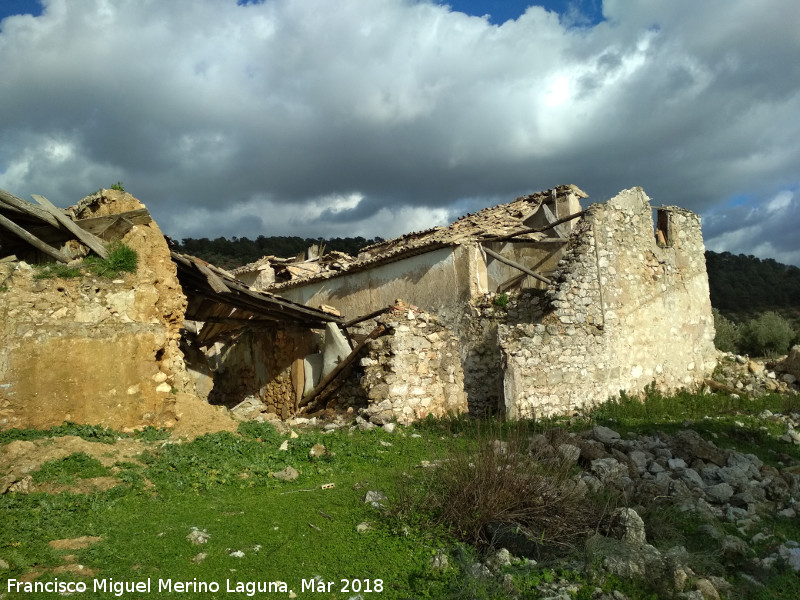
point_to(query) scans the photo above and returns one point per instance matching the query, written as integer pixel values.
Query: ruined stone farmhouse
(549, 308)
(530, 308)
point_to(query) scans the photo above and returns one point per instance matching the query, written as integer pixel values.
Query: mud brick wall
(412, 371)
(625, 311)
(94, 350)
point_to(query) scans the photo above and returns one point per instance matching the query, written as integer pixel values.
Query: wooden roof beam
(32, 240)
(516, 265)
(95, 243)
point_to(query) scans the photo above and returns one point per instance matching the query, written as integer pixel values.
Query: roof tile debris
(493, 221)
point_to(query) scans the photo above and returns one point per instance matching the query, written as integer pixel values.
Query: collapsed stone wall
(625, 312)
(412, 371)
(93, 350)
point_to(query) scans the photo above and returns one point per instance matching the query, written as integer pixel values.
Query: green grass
(221, 483)
(66, 470)
(90, 433)
(56, 271)
(121, 259)
(727, 421)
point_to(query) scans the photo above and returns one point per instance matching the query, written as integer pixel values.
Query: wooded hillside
(741, 286)
(237, 251)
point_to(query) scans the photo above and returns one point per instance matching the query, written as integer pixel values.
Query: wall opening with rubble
(256, 365)
(625, 310)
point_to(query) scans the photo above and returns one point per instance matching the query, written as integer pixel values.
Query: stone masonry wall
(625, 312)
(414, 370)
(94, 350)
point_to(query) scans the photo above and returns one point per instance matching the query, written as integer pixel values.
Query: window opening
(663, 228)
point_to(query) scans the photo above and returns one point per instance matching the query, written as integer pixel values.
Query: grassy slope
(220, 483)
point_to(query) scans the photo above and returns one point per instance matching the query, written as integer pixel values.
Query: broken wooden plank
(547, 240)
(117, 229)
(214, 280)
(318, 392)
(28, 208)
(95, 243)
(551, 219)
(100, 225)
(721, 387)
(367, 317)
(32, 240)
(516, 265)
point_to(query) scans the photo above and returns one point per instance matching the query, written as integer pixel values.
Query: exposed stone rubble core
(480, 352)
(93, 350)
(257, 364)
(413, 371)
(627, 312)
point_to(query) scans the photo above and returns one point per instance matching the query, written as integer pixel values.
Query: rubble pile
(729, 491)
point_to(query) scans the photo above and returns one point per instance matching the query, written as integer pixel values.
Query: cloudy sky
(377, 117)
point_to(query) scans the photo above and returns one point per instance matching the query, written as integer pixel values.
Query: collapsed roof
(42, 233)
(517, 219)
(225, 305)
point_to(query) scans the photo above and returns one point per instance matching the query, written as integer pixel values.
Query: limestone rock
(374, 498)
(498, 560)
(707, 589)
(198, 536)
(719, 493)
(569, 453)
(791, 364)
(604, 435)
(689, 445)
(286, 474)
(628, 526)
(608, 469)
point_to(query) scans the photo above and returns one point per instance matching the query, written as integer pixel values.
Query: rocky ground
(755, 377)
(734, 496)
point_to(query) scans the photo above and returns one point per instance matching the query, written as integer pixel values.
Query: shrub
(499, 489)
(767, 335)
(501, 300)
(117, 186)
(727, 333)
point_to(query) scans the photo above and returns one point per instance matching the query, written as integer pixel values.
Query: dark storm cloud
(374, 117)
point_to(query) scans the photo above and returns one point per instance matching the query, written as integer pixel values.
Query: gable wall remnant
(94, 350)
(437, 280)
(626, 312)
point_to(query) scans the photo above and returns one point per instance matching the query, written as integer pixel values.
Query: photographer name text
(169, 586)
